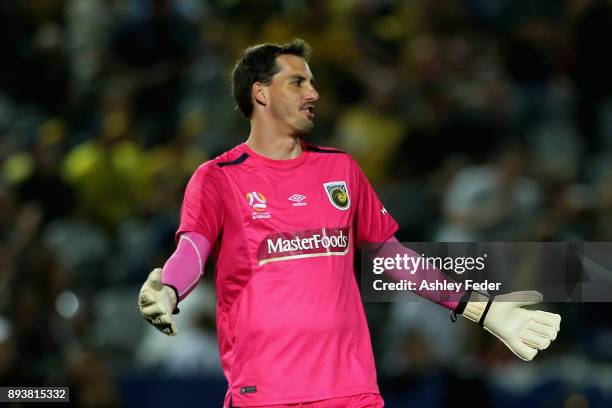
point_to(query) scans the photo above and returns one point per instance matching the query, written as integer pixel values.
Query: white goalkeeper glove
(524, 332)
(157, 302)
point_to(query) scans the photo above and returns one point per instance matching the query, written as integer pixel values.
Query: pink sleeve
(448, 299)
(186, 265)
(202, 208)
(373, 221)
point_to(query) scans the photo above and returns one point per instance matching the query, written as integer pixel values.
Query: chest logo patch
(257, 200)
(338, 194)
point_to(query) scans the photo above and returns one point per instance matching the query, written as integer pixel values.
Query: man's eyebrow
(301, 77)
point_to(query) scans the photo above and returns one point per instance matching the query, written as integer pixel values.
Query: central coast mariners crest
(338, 194)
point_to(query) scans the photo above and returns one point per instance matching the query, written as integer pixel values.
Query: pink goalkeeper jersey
(291, 324)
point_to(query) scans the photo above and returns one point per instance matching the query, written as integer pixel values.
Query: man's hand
(157, 302)
(524, 332)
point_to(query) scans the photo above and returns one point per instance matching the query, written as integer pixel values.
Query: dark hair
(258, 64)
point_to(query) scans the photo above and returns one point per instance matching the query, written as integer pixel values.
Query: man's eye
(298, 82)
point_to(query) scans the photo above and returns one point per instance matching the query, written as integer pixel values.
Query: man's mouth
(310, 111)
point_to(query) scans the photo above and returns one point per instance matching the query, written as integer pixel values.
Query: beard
(304, 126)
(301, 125)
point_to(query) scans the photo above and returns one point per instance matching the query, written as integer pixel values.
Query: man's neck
(273, 146)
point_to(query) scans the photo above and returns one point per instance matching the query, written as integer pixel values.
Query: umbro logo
(297, 200)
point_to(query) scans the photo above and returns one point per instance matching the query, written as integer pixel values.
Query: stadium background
(474, 120)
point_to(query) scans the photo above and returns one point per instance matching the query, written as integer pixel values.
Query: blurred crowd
(474, 120)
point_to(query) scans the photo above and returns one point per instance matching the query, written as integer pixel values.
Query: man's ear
(260, 93)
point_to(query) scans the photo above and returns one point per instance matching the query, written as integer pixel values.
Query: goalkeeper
(282, 219)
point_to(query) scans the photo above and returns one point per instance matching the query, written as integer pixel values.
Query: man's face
(291, 95)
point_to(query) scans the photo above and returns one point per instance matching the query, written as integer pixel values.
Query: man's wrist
(476, 307)
(462, 303)
(473, 306)
(173, 298)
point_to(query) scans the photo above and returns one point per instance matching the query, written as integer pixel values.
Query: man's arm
(448, 298)
(524, 332)
(164, 288)
(198, 229)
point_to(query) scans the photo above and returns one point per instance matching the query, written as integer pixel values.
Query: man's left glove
(157, 302)
(524, 332)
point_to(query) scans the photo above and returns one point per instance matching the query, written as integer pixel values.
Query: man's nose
(311, 94)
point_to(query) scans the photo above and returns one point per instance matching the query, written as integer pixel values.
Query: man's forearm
(448, 298)
(183, 269)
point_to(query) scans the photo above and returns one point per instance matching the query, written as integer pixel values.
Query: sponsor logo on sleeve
(338, 194)
(283, 246)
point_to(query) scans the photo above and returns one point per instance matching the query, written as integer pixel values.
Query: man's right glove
(157, 302)
(523, 331)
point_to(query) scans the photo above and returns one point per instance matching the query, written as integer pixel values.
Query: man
(282, 219)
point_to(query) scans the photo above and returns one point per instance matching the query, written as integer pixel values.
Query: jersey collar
(277, 163)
